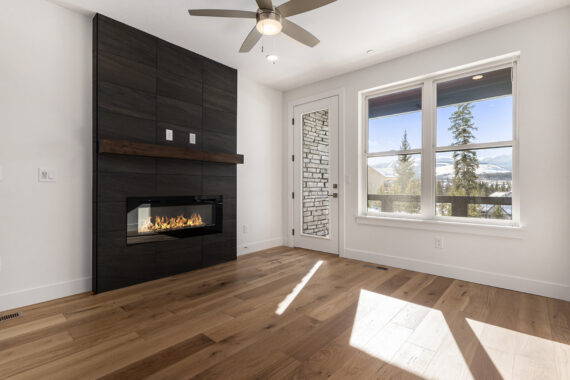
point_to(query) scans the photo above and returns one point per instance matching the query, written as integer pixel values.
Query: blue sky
(493, 117)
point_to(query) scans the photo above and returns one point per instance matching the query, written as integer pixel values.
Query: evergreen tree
(406, 183)
(465, 161)
(498, 212)
(405, 165)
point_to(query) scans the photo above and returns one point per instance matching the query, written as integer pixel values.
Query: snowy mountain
(497, 168)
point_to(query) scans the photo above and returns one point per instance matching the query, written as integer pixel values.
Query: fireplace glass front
(166, 218)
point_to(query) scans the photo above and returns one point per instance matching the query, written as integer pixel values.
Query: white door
(315, 182)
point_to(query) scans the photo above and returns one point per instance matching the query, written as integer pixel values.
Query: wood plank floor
(290, 313)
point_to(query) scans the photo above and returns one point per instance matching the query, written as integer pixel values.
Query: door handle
(334, 195)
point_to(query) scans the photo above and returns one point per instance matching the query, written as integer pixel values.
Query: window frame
(428, 84)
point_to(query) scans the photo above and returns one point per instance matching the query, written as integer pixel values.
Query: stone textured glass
(316, 203)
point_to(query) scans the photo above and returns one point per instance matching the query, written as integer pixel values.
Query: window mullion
(394, 153)
(428, 158)
(474, 146)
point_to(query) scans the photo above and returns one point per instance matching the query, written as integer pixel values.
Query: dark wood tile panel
(178, 87)
(225, 186)
(220, 76)
(128, 73)
(219, 142)
(116, 187)
(220, 100)
(179, 167)
(126, 101)
(179, 258)
(112, 216)
(178, 112)
(219, 121)
(112, 125)
(118, 39)
(142, 86)
(218, 169)
(177, 184)
(181, 62)
(109, 163)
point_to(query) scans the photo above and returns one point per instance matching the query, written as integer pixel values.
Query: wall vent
(6, 317)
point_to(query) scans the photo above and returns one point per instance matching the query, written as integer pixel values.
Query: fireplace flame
(168, 224)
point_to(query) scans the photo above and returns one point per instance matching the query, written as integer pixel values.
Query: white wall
(537, 262)
(45, 121)
(260, 184)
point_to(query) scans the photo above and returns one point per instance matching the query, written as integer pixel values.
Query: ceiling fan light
(269, 27)
(272, 58)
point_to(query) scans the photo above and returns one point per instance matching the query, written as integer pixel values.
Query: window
(394, 152)
(442, 148)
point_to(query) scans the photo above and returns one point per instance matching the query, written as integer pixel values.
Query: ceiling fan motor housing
(268, 22)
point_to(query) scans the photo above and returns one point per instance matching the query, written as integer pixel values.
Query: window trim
(428, 84)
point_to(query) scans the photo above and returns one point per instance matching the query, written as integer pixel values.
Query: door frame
(290, 168)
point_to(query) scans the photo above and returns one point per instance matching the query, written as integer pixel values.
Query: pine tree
(465, 161)
(405, 165)
(498, 212)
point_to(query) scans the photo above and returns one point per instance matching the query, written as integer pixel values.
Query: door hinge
(293, 157)
(293, 195)
(293, 121)
(293, 232)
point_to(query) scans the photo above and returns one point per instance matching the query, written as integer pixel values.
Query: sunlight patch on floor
(521, 356)
(297, 289)
(412, 337)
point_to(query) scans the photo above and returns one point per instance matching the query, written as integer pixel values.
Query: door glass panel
(315, 170)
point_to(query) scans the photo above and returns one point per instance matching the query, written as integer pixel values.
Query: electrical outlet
(46, 175)
(192, 138)
(245, 228)
(439, 242)
(169, 135)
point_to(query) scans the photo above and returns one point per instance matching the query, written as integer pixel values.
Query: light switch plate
(46, 175)
(192, 138)
(169, 135)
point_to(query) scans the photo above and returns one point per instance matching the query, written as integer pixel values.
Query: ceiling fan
(271, 20)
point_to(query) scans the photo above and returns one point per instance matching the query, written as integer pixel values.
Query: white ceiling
(346, 28)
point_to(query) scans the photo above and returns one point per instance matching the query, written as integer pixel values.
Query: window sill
(503, 231)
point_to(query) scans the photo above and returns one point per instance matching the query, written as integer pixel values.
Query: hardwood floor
(292, 313)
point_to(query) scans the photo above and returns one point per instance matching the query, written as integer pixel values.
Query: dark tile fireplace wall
(143, 85)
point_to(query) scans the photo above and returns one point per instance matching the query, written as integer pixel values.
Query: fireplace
(151, 219)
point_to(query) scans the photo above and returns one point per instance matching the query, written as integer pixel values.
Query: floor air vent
(6, 317)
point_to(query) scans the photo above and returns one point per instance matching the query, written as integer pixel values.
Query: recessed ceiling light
(477, 77)
(272, 58)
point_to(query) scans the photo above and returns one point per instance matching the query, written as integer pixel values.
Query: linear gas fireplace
(151, 219)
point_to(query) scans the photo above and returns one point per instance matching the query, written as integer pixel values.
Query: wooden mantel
(131, 148)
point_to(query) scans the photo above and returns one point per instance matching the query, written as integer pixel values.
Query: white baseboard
(44, 293)
(522, 284)
(246, 248)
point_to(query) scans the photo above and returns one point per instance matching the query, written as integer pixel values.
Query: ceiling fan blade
(264, 4)
(250, 40)
(297, 33)
(294, 7)
(221, 13)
